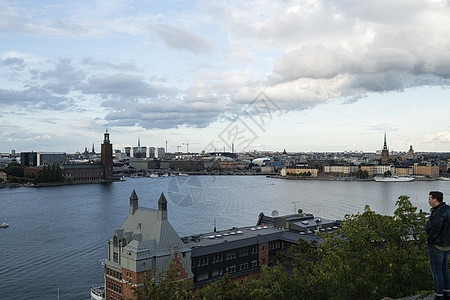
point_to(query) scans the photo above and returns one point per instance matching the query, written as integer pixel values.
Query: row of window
(114, 273)
(230, 269)
(216, 258)
(115, 287)
(274, 245)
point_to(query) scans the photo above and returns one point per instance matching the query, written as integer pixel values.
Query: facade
(299, 170)
(161, 152)
(107, 157)
(49, 158)
(83, 172)
(341, 169)
(151, 152)
(403, 170)
(28, 159)
(370, 169)
(146, 241)
(426, 169)
(381, 169)
(3, 177)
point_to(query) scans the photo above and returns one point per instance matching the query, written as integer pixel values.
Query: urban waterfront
(58, 235)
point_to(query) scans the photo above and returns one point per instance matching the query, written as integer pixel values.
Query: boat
(153, 175)
(165, 175)
(444, 178)
(394, 178)
(4, 225)
(98, 292)
(183, 174)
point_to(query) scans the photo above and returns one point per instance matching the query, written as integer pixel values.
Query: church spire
(385, 144)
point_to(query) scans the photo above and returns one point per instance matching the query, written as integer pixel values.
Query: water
(57, 235)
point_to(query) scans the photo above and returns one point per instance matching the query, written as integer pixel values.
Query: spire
(162, 207)
(133, 202)
(385, 144)
(93, 151)
(106, 139)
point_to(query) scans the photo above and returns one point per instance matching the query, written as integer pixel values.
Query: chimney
(133, 202)
(162, 208)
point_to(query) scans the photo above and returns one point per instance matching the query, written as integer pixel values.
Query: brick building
(147, 241)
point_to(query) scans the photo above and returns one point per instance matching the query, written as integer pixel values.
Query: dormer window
(116, 241)
(124, 242)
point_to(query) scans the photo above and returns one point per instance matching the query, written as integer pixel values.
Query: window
(215, 273)
(116, 257)
(216, 258)
(232, 269)
(203, 261)
(243, 252)
(254, 263)
(254, 250)
(116, 242)
(202, 276)
(230, 255)
(264, 248)
(124, 242)
(243, 267)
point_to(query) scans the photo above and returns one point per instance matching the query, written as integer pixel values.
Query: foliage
(14, 169)
(163, 285)
(370, 256)
(387, 174)
(362, 174)
(51, 173)
(223, 289)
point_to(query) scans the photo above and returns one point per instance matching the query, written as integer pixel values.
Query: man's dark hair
(438, 196)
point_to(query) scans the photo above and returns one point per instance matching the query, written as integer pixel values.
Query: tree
(223, 289)
(14, 169)
(164, 285)
(387, 174)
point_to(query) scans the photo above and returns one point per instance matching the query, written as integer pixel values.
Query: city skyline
(336, 75)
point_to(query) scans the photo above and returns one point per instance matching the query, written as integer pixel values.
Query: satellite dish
(275, 213)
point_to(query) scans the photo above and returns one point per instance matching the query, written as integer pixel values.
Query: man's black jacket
(438, 226)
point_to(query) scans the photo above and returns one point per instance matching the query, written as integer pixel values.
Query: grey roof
(216, 242)
(148, 232)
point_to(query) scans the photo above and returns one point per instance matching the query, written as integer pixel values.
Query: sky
(315, 75)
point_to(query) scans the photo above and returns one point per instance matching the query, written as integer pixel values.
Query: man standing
(438, 243)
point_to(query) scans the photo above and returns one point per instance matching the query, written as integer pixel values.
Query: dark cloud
(33, 98)
(102, 65)
(123, 85)
(16, 63)
(182, 39)
(63, 78)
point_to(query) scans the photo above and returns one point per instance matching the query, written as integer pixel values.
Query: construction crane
(178, 148)
(187, 146)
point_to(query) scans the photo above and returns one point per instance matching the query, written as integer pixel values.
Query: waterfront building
(147, 241)
(3, 177)
(341, 169)
(427, 169)
(295, 171)
(381, 169)
(369, 168)
(107, 157)
(404, 170)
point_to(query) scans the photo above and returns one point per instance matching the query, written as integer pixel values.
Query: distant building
(127, 151)
(411, 152)
(161, 152)
(426, 169)
(107, 157)
(385, 153)
(296, 171)
(49, 158)
(3, 176)
(151, 152)
(341, 169)
(28, 159)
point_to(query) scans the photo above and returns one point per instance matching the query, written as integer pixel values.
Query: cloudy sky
(315, 75)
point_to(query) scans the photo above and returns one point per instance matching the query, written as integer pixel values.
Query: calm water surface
(57, 235)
